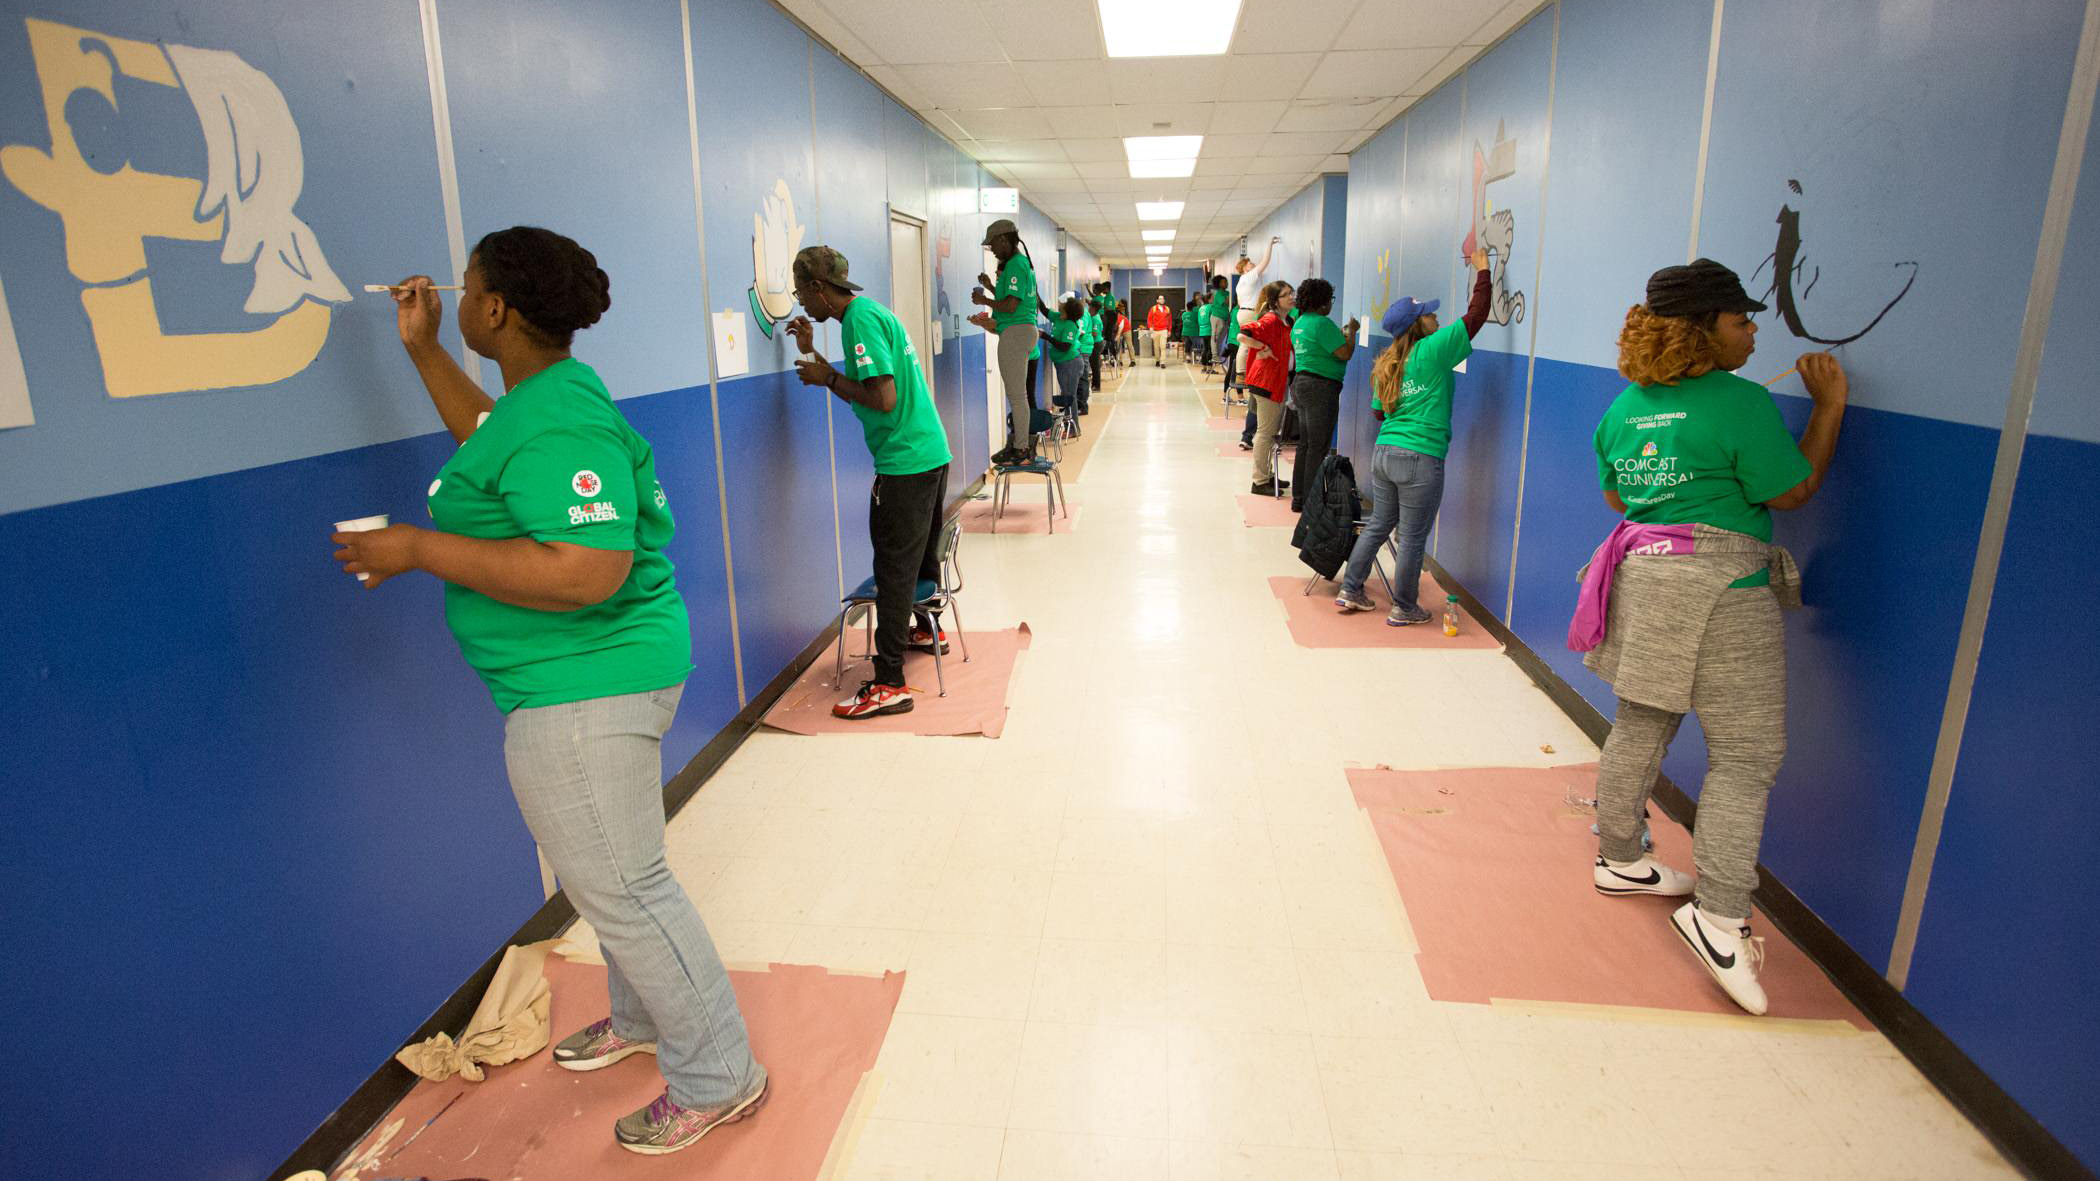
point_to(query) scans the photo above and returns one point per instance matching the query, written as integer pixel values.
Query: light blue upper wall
(1301, 223)
(1334, 237)
(1619, 190)
(1505, 102)
(849, 218)
(1372, 239)
(546, 107)
(372, 201)
(1432, 201)
(1920, 133)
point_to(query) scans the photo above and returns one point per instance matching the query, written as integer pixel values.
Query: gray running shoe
(664, 1126)
(1354, 601)
(1402, 617)
(595, 1047)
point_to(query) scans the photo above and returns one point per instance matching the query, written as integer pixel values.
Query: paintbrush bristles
(385, 288)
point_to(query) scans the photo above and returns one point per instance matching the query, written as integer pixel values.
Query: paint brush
(1782, 377)
(383, 288)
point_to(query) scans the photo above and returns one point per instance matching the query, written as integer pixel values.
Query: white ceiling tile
(889, 79)
(1303, 143)
(1082, 122)
(1164, 79)
(1342, 114)
(1348, 72)
(1018, 149)
(1502, 22)
(1065, 83)
(1043, 30)
(961, 87)
(1273, 165)
(1409, 24)
(1004, 123)
(1032, 169)
(1103, 169)
(1093, 149)
(1247, 117)
(1287, 26)
(1234, 145)
(1226, 166)
(1335, 163)
(1265, 77)
(905, 32)
(1442, 71)
(1358, 139)
(1179, 118)
(1201, 183)
(821, 22)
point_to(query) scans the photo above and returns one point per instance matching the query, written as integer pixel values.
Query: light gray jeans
(1739, 693)
(1016, 341)
(589, 778)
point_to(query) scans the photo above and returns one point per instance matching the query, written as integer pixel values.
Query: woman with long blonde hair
(1411, 388)
(1679, 608)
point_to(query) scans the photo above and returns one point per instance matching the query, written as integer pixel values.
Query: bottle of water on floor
(1450, 615)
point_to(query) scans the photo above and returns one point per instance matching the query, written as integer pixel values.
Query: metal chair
(935, 597)
(1392, 544)
(1044, 423)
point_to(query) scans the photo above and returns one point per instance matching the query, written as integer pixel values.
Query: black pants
(1319, 401)
(1031, 384)
(904, 523)
(1093, 362)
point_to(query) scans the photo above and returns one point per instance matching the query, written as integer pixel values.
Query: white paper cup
(363, 525)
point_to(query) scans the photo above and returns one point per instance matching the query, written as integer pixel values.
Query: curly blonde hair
(1664, 350)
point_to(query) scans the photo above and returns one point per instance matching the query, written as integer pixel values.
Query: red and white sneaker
(923, 640)
(873, 700)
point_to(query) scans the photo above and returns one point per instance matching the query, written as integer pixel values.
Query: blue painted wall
(1862, 106)
(236, 784)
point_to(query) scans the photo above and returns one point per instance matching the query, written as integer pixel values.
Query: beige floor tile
(961, 975)
(1247, 1088)
(1376, 994)
(989, 900)
(1242, 989)
(1094, 982)
(1231, 910)
(742, 941)
(1342, 911)
(851, 949)
(947, 1070)
(892, 1150)
(1112, 844)
(1111, 906)
(1396, 1166)
(1068, 1156)
(762, 890)
(1016, 840)
(1189, 1161)
(1100, 1079)
(1404, 1095)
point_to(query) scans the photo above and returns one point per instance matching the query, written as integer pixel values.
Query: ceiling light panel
(1157, 235)
(1159, 210)
(1167, 28)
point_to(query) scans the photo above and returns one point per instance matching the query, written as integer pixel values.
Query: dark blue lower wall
(258, 823)
(1477, 523)
(2008, 949)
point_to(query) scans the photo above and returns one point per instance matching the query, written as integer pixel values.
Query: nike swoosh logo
(1725, 961)
(1654, 877)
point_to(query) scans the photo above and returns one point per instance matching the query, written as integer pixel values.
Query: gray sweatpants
(1016, 341)
(1739, 693)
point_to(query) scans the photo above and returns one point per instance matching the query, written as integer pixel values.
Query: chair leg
(839, 671)
(955, 609)
(939, 678)
(1064, 506)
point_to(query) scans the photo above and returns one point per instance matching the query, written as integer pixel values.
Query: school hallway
(1150, 931)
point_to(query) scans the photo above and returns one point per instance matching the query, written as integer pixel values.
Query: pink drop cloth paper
(1230, 422)
(1260, 511)
(1024, 514)
(1493, 865)
(816, 1034)
(977, 690)
(1315, 623)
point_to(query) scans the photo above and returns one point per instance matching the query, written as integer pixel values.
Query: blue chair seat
(1040, 467)
(865, 592)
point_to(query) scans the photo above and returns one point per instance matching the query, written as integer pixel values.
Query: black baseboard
(2009, 1126)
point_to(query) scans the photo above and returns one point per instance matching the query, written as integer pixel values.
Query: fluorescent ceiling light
(1144, 169)
(1156, 235)
(1159, 210)
(1161, 147)
(1167, 28)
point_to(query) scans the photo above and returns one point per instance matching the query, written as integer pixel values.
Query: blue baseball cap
(1405, 311)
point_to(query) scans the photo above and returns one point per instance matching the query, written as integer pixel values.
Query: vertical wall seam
(1997, 513)
(714, 392)
(447, 159)
(1531, 364)
(1451, 293)
(1706, 128)
(816, 192)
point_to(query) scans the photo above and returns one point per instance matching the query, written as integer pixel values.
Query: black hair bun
(552, 281)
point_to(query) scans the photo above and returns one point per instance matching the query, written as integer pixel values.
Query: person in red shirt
(1268, 344)
(1160, 322)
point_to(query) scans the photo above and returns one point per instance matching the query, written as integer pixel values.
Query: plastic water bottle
(1450, 615)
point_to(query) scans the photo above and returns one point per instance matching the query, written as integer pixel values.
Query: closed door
(908, 289)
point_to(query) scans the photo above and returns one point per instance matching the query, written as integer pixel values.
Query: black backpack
(1326, 529)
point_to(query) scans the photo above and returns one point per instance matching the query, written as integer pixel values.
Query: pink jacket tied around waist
(1593, 601)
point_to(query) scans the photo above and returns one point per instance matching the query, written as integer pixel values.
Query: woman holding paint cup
(550, 531)
(1679, 608)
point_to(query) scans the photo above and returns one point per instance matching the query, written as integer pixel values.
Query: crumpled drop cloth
(511, 1022)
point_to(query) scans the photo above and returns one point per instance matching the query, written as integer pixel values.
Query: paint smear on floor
(817, 1034)
(1315, 623)
(978, 689)
(1493, 865)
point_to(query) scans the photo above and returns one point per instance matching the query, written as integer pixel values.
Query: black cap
(1697, 288)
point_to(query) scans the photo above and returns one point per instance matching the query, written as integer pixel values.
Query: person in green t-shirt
(1412, 385)
(1690, 443)
(550, 531)
(1012, 304)
(1092, 318)
(1191, 332)
(1067, 338)
(886, 390)
(1321, 350)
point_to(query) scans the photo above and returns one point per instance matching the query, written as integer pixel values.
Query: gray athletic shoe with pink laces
(595, 1047)
(664, 1126)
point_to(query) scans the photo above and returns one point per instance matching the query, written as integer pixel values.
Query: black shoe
(1297, 506)
(1246, 446)
(1264, 488)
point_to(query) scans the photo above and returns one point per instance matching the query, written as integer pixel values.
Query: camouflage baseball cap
(997, 228)
(825, 265)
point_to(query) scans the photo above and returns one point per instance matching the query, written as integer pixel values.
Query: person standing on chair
(1322, 351)
(886, 391)
(1412, 385)
(1012, 304)
(549, 529)
(1217, 311)
(1160, 322)
(1267, 345)
(1689, 622)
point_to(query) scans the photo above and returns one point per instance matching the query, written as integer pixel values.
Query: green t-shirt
(1016, 281)
(1709, 450)
(1220, 305)
(556, 461)
(909, 439)
(1065, 337)
(1422, 420)
(1190, 318)
(1090, 331)
(1313, 341)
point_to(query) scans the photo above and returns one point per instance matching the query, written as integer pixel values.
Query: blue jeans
(1406, 488)
(589, 779)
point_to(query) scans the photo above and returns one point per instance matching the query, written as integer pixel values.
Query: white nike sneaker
(1732, 957)
(1646, 876)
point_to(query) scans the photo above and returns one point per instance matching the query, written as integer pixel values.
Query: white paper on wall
(1363, 331)
(936, 337)
(14, 384)
(732, 343)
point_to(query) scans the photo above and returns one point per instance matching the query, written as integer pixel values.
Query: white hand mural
(775, 237)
